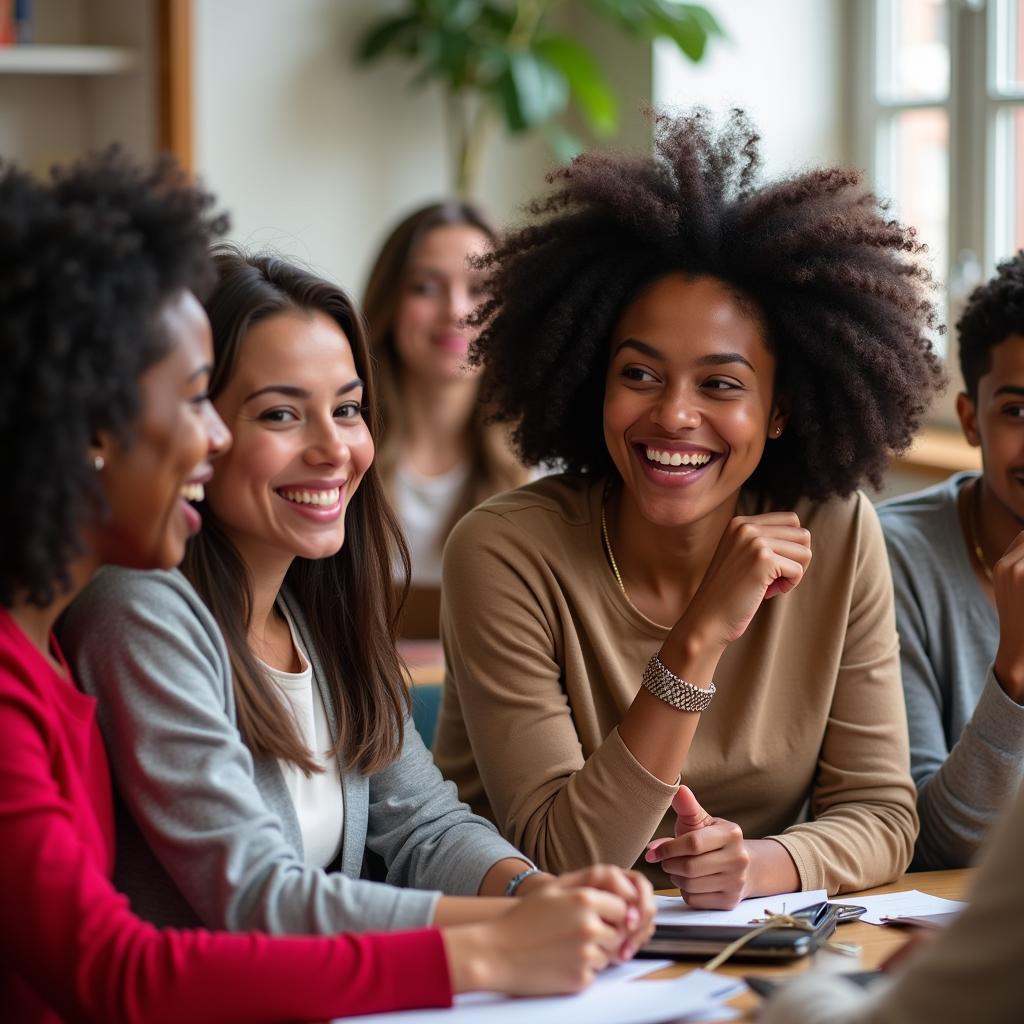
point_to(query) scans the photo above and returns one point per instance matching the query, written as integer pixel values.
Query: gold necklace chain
(972, 523)
(611, 554)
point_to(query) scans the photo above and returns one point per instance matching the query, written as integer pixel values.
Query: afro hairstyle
(841, 289)
(88, 258)
(994, 311)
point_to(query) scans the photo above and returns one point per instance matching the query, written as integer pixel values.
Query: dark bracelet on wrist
(517, 880)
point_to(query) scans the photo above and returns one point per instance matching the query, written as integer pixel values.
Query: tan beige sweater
(545, 655)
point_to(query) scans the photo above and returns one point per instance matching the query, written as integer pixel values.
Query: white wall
(313, 155)
(783, 64)
(318, 157)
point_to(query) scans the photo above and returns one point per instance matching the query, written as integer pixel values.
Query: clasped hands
(623, 899)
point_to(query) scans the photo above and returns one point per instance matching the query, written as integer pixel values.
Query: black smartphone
(682, 941)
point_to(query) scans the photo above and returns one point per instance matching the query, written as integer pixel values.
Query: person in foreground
(438, 456)
(957, 556)
(106, 437)
(718, 363)
(254, 708)
(970, 972)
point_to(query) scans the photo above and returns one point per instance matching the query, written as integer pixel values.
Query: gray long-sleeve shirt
(207, 833)
(966, 734)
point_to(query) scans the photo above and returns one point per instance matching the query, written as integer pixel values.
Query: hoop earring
(98, 462)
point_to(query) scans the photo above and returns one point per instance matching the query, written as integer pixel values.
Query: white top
(425, 505)
(318, 800)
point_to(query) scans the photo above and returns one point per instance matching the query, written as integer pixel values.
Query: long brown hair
(492, 467)
(348, 599)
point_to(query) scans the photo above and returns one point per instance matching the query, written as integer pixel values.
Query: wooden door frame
(174, 88)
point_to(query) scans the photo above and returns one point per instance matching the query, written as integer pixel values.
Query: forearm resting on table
(490, 901)
(454, 910)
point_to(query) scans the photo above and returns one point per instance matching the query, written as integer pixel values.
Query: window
(942, 128)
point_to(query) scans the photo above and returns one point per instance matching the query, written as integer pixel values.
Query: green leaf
(491, 63)
(707, 21)
(540, 91)
(453, 56)
(688, 25)
(505, 97)
(460, 15)
(678, 23)
(497, 20)
(587, 83)
(392, 33)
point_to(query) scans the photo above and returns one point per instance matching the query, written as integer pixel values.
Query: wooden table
(877, 943)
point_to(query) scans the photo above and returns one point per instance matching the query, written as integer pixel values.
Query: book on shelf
(6, 22)
(24, 21)
(16, 22)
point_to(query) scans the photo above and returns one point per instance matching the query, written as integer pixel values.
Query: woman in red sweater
(106, 435)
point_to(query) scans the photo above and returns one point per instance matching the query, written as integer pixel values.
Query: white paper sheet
(910, 903)
(610, 1000)
(672, 909)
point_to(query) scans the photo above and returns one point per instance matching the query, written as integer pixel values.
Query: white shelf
(68, 60)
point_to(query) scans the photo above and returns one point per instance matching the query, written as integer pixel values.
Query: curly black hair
(88, 257)
(994, 311)
(841, 289)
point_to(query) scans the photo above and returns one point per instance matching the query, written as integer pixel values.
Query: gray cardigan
(206, 832)
(966, 734)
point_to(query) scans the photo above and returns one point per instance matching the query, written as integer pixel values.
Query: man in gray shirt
(957, 555)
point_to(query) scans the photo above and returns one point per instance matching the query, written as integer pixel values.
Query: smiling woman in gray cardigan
(211, 835)
(253, 704)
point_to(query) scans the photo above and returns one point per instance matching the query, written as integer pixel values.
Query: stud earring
(98, 462)
(778, 431)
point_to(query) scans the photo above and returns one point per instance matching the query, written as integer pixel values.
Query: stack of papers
(881, 909)
(614, 998)
(672, 909)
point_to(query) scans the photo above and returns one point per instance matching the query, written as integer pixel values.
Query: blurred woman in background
(437, 456)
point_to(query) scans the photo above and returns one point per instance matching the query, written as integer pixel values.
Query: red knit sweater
(70, 947)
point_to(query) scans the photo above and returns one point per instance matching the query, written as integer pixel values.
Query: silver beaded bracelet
(677, 693)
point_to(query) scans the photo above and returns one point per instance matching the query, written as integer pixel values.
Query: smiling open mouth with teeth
(193, 492)
(692, 460)
(321, 499)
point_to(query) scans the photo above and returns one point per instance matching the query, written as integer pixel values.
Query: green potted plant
(505, 64)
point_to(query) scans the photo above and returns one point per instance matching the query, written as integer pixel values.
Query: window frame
(978, 164)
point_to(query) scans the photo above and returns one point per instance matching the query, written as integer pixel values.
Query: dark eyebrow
(641, 346)
(199, 371)
(1008, 389)
(290, 391)
(724, 358)
(714, 359)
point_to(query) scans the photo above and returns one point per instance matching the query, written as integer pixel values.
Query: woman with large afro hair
(717, 363)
